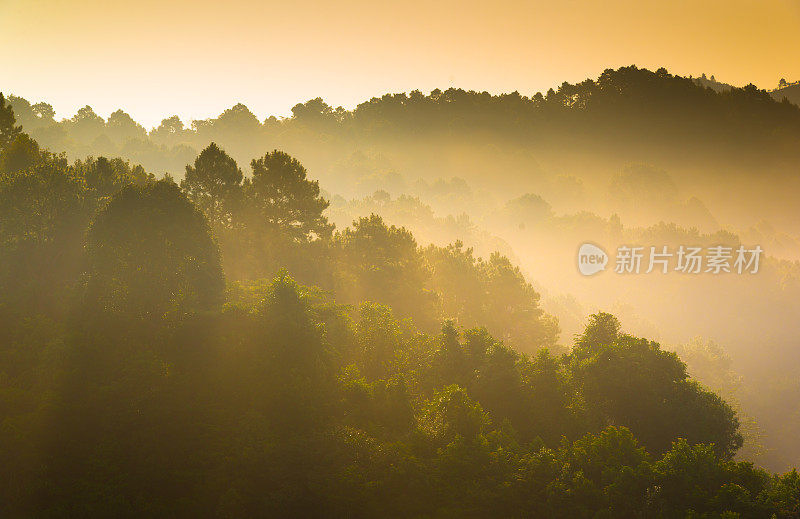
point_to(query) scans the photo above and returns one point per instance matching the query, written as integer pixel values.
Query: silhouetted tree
(151, 254)
(283, 201)
(8, 130)
(214, 184)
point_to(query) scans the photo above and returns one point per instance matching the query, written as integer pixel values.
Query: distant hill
(623, 113)
(713, 84)
(790, 92)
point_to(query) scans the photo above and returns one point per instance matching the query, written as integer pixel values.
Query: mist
(279, 316)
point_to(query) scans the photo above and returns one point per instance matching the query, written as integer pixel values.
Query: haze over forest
(340, 308)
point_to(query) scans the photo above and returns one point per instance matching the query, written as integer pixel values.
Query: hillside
(620, 111)
(633, 156)
(790, 92)
(167, 365)
(712, 83)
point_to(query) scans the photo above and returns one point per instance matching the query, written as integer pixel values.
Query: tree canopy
(217, 348)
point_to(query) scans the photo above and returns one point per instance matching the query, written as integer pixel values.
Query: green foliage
(20, 154)
(164, 394)
(270, 220)
(214, 184)
(121, 128)
(491, 293)
(8, 130)
(601, 330)
(634, 383)
(44, 212)
(284, 200)
(374, 260)
(627, 110)
(378, 335)
(150, 254)
(104, 177)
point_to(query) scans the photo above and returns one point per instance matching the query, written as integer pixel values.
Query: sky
(194, 58)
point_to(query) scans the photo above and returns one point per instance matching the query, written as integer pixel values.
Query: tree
(453, 414)
(121, 128)
(44, 211)
(214, 184)
(44, 111)
(382, 263)
(456, 276)
(472, 290)
(237, 129)
(602, 329)
(237, 120)
(513, 309)
(692, 477)
(8, 132)
(104, 177)
(632, 382)
(151, 254)
(284, 202)
(314, 113)
(529, 210)
(86, 125)
(608, 471)
(21, 153)
(378, 339)
(296, 357)
(169, 132)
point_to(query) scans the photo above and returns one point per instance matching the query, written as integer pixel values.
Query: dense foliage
(159, 358)
(624, 109)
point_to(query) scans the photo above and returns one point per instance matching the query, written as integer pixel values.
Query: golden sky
(195, 58)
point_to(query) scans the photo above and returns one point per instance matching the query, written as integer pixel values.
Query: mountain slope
(791, 92)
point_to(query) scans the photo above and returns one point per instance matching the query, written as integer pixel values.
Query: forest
(344, 313)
